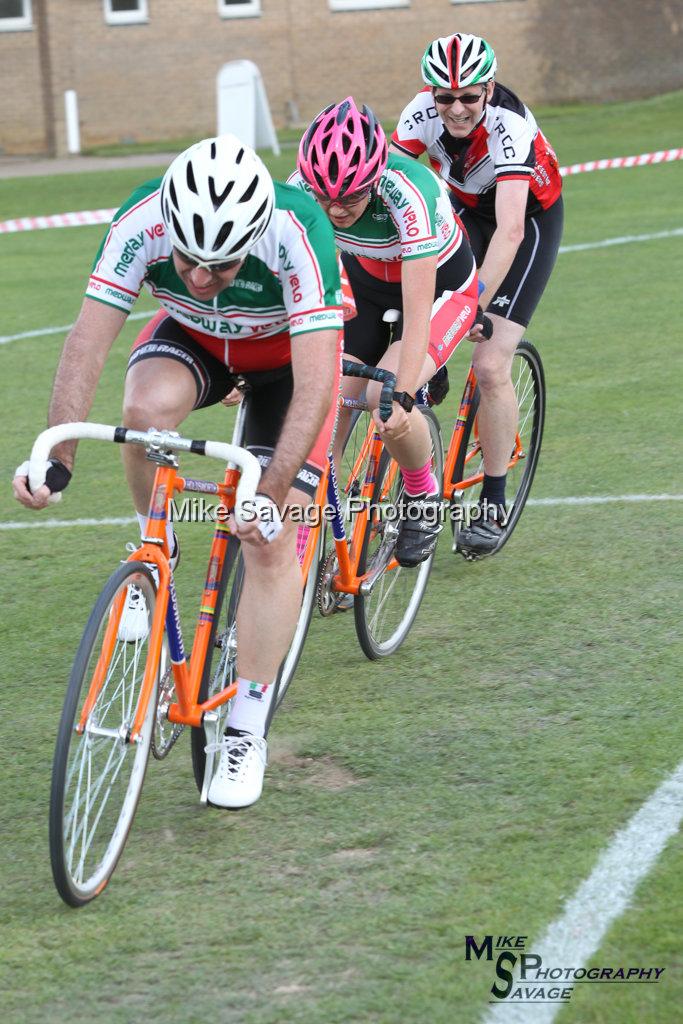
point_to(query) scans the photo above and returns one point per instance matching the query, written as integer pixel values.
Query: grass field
(466, 785)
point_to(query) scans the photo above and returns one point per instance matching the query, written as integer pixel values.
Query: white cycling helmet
(455, 61)
(217, 199)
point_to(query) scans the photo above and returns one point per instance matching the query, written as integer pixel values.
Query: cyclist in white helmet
(506, 187)
(246, 276)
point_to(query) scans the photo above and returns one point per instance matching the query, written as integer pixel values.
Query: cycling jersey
(287, 285)
(507, 144)
(409, 216)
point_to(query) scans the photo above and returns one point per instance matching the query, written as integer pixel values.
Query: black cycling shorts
(524, 284)
(269, 393)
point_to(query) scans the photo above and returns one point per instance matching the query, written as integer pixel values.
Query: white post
(73, 132)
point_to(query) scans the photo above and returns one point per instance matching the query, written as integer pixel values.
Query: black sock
(493, 492)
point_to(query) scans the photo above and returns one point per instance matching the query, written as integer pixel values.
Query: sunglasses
(469, 99)
(346, 202)
(214, 268)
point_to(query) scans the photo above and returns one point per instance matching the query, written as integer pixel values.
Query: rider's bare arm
(418, 282)
(80, 367)
(315, 357)
(511, 199)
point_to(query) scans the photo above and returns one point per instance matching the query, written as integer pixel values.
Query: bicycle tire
(223, 638)
(291, 661)
(529, 383)
(380, 634)
(226, 640)
(91, 807)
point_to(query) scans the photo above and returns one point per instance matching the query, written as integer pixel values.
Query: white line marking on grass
(624, 240)
(51, 524)
(597, 499)
(605, 499)
(573, 938)
(5, 339)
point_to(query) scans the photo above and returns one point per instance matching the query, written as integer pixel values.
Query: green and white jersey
(408, 217)
(289, 281)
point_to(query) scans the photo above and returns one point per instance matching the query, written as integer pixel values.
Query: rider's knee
(144, 408)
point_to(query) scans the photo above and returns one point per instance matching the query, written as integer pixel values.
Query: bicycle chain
(165, 698)
(326, 598)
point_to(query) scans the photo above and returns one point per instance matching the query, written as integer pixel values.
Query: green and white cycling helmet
(217, 199)
(455, 61)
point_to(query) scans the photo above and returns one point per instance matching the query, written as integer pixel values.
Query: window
(239, 8)
(365, 5)
(15, 15)
(125, 12)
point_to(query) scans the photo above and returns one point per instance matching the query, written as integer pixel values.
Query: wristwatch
(405, 400)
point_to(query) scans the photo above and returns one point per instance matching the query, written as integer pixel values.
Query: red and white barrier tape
(58, 220)
(661, 157)
(74, 220)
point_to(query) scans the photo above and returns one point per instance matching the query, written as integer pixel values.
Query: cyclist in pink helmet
(402, 248)
(344, 151)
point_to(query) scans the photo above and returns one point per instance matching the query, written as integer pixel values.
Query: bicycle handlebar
(165, 440)
(383, 377)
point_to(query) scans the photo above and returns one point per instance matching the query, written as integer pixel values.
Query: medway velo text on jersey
(506, 144)
(287, 285)
(409, 216)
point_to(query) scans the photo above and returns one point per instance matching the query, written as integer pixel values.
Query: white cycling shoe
(136, 618)
(238, 780)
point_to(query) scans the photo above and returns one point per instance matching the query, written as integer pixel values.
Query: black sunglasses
(215, 268)
(346, 202)
(469, 99)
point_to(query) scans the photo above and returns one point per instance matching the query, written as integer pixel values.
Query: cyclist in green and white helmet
(455, 61)
(505, 185)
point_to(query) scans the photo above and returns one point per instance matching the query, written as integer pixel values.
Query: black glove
(486, 323)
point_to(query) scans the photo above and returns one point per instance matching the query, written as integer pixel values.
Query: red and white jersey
(506, 144)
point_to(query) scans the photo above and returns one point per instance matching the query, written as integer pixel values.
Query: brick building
(146, 69)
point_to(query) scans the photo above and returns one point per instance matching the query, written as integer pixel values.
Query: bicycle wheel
(529, 383)
(384, 617)
(291, 661)
(220, 670)
(97, 772)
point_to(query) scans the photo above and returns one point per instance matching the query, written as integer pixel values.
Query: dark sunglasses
(346, 202)
(215, 268)
(445, 99)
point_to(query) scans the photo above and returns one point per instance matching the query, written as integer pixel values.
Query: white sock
(170, 535)
(249, 709)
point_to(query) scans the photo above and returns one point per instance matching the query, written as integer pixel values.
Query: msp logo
(522, 976)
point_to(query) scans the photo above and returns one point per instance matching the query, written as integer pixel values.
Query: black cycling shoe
(438, 387)
(481, 537)
(419, 530)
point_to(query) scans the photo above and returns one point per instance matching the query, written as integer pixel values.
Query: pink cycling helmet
(343, 151)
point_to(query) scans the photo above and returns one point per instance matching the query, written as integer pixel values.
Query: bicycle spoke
(98, 771)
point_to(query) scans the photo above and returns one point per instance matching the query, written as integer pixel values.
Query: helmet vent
(218, 198)
(178, 230)
(259, 213)
(198, 225)
(213, 151)
(238, 158)
(191, 183)
(244, 240)
(222, 235)
(250, 190)
(333, 169)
